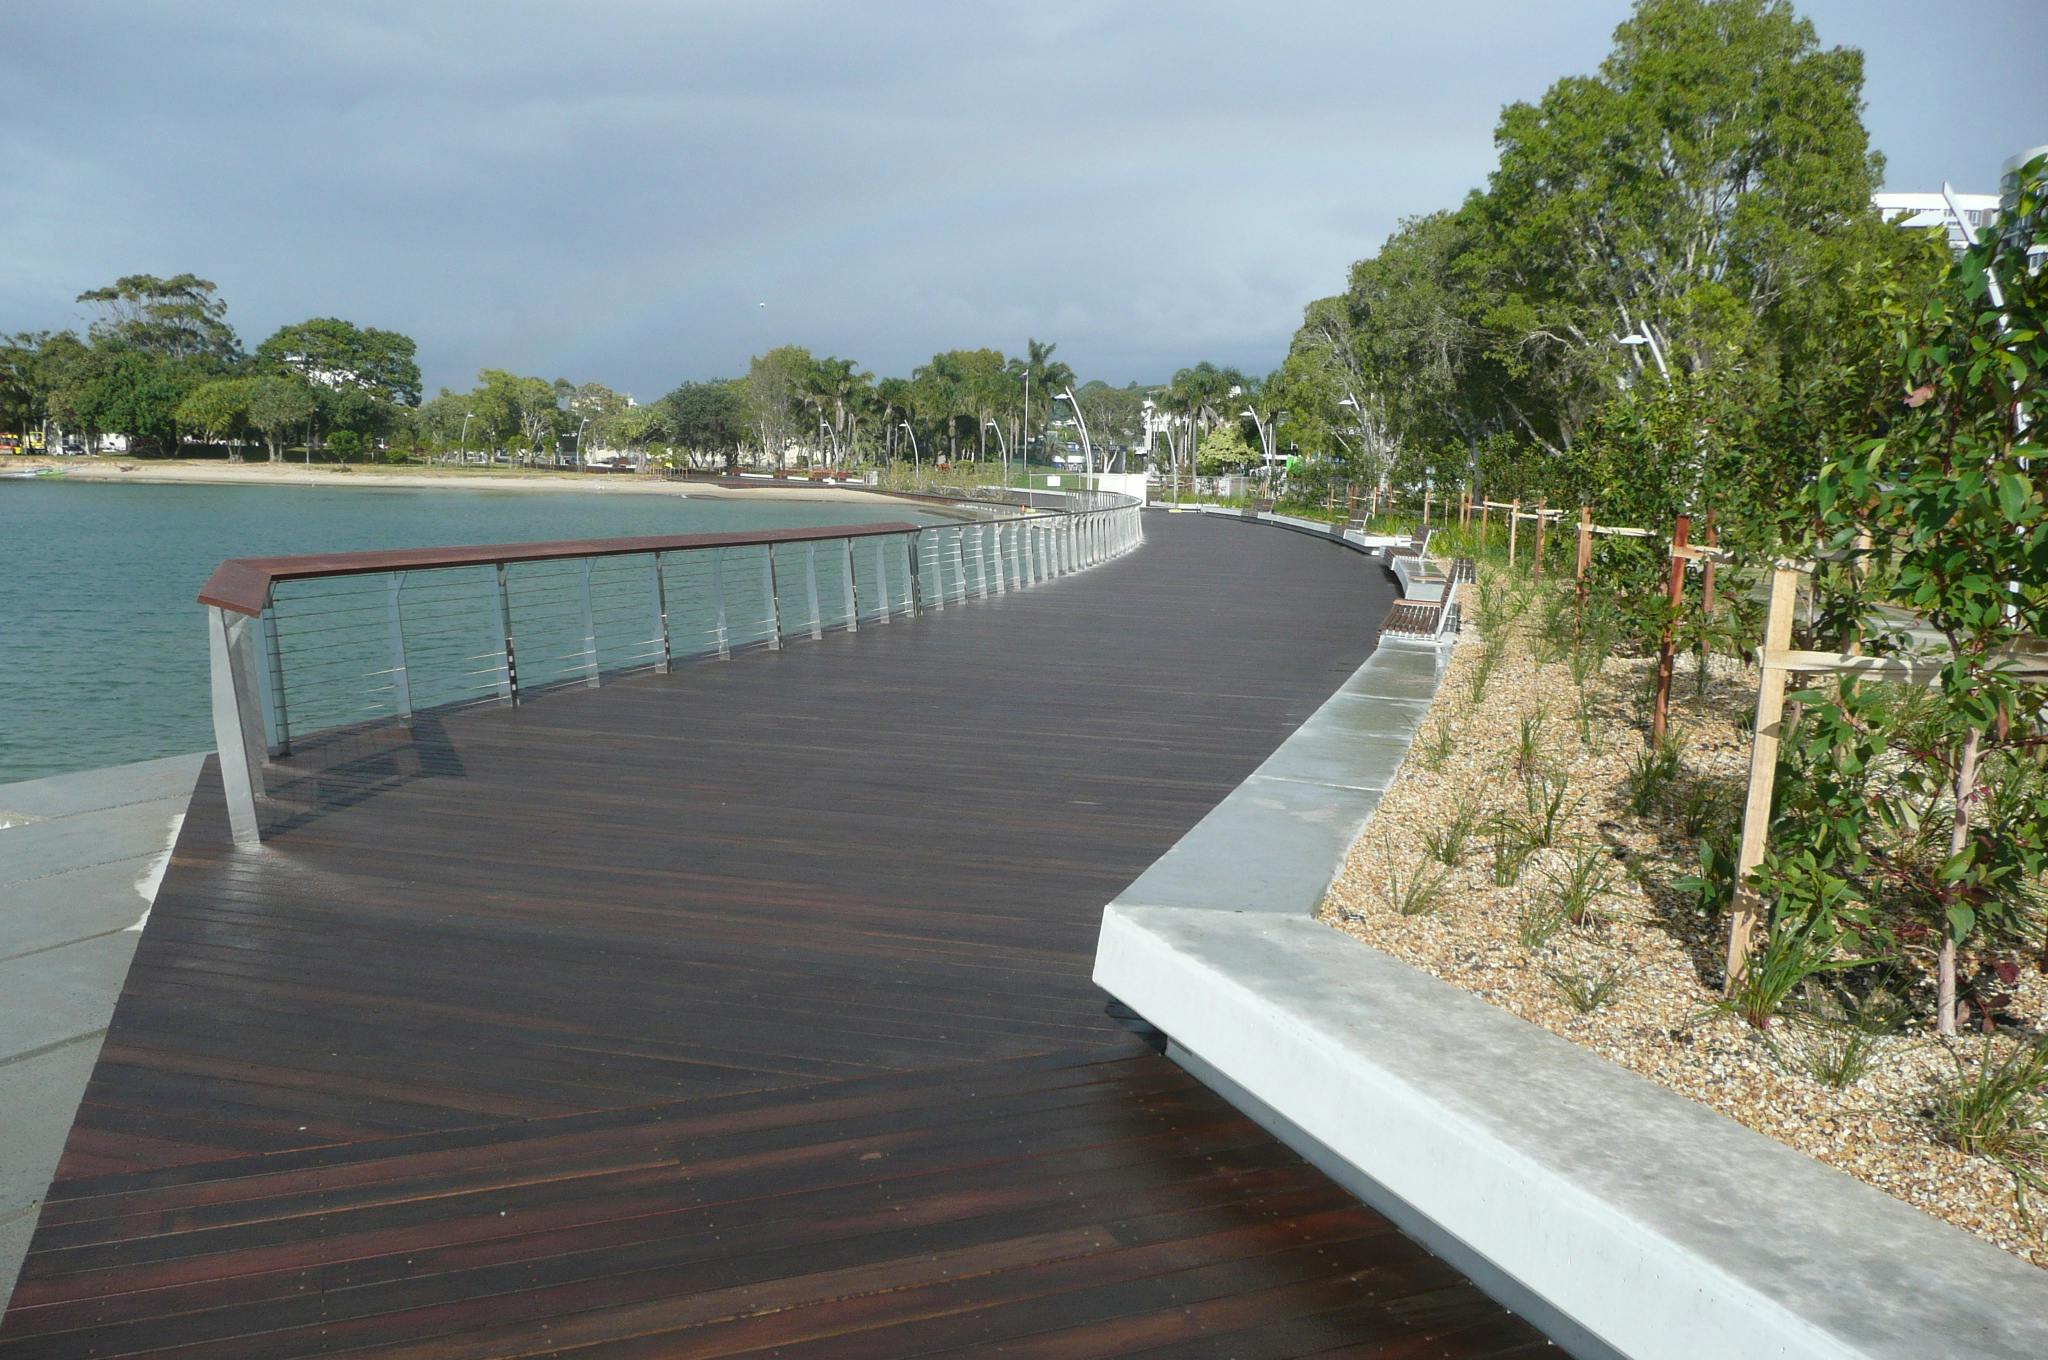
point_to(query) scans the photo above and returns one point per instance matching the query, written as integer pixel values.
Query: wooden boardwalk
(742, 1011)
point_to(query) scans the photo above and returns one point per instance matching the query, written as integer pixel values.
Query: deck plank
(736, 1011)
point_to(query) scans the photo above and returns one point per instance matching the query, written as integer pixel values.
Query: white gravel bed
(1659, 1021)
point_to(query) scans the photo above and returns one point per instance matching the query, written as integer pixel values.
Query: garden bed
(1636, 978)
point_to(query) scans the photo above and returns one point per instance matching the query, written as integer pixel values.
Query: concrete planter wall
(1618, 1216)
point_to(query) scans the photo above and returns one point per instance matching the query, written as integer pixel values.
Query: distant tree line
(161, 366)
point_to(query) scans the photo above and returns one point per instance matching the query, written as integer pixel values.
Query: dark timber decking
(741, 1011)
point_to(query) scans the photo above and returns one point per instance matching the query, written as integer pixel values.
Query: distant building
(1958, 216)
(1931, 212)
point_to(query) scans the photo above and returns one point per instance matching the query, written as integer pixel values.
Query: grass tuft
(1587, 992)
(2000, 1112)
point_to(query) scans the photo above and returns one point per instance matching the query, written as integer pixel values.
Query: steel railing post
(852, 592)
(237, 718)
(960, 559)
(272, 674)
(401, 676)
(996, 552)
(811, 589)
(724, 639)
(913, 557)
(882, 578)
(589, 629)
(501, 622)
(774, 605)
(659, 587)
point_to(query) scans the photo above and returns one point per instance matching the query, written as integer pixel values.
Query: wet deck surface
(740, 1011)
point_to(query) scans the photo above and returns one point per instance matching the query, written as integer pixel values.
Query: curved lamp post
(1004, 445)
(1087, 445)
(916, 459)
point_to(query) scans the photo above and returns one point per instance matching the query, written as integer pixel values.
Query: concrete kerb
(1618, 1216)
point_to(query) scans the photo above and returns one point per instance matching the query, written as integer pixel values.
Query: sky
(640, 193)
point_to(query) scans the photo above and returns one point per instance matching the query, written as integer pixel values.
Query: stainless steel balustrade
(307, 645)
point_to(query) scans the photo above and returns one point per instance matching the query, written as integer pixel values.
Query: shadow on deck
(735, 1010)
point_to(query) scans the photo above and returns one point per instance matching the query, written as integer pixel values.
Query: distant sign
(1052, 479)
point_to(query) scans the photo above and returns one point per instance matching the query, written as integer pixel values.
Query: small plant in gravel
(1482, 669)
(1650, 774)
(1492, 603)
(1556, 634)
(1538, 921)
(1416, 893)
(1529, 744)
(1709, 806)
(1437, 747)
(1507, 840)
(1582, 883)
(1448, 841)
(1547, 796)
(1834, 1054)
(1792, 954)
(2001, 1112)
(1587, 992)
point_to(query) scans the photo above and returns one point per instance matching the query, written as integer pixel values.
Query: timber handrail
(242, 584)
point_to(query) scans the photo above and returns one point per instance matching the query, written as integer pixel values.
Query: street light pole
(1024, 432)
(1004, 445)
(462, 440)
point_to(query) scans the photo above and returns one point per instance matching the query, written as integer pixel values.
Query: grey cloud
(608, 190)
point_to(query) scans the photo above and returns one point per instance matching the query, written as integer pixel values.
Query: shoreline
(210, 473)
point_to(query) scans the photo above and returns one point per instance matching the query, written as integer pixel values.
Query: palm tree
(1042, 376)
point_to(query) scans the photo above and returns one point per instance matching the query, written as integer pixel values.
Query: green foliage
(1442, 740)
(1225, 449)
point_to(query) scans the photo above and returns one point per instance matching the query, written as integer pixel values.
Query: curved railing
(325, 642)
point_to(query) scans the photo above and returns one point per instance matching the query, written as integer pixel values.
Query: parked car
(72, 449)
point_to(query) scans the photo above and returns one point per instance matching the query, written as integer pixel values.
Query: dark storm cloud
(610, 190)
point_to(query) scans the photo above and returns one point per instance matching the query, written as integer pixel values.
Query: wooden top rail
(242, 584)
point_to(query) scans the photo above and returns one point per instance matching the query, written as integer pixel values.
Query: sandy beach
(213, 472)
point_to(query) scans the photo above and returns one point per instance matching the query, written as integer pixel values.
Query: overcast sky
(610, 190)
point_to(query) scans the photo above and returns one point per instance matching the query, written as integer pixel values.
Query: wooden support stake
(1763, 769)
(1707, 581)
(1660, 717)
(1514, 524)
(1425, 507)
(1541, 515)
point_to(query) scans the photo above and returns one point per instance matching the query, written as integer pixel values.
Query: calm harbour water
(102, 644)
